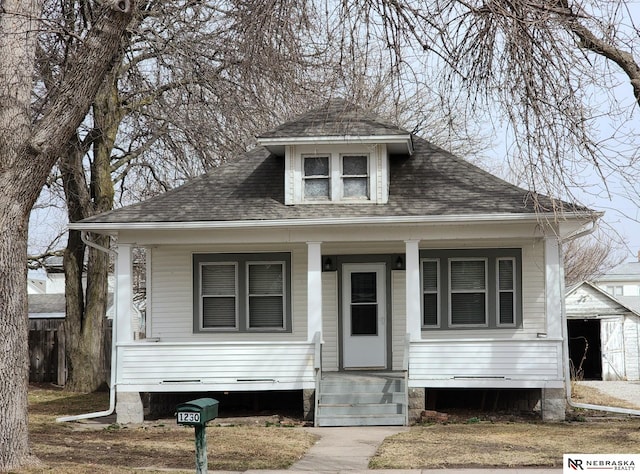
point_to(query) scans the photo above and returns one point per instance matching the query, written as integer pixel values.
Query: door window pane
(364, 307)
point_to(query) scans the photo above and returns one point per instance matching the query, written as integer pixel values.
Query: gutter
(565, 336)
(112, 385)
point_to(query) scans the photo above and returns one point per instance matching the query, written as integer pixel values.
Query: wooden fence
(47, 361)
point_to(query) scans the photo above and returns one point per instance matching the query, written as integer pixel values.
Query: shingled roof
(430, 182)
(336, 117)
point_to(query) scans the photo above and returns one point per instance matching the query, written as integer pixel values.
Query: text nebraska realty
(615, 465)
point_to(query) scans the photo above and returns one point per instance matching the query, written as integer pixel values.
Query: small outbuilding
(604, 335)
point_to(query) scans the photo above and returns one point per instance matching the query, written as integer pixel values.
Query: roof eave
(400, 144)
(109, 227)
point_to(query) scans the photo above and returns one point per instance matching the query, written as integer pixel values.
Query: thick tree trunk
(84, 326)
(27, 154)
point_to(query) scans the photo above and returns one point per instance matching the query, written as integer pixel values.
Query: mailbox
(197, 412)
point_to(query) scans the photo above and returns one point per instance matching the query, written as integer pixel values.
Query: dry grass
(81, 447)
(585, 394)
(503, 444)
(488, 442)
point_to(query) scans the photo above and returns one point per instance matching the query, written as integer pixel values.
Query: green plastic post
(201, 450)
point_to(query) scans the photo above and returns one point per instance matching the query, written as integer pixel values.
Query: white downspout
(112, 385)
(565, 346)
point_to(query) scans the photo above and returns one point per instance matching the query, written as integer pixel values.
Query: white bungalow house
(352, 261)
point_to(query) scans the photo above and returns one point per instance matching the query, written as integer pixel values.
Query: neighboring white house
(604, 334)
(623, 282)
(341, 246)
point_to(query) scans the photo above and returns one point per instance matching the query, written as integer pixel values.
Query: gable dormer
(337, 154)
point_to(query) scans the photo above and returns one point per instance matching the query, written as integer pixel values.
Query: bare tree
(545, 69)
(588, 258)
(29, 150)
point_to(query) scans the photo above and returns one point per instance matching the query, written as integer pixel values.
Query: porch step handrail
(317, 365)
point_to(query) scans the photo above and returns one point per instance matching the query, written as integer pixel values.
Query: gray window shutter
(430, 293)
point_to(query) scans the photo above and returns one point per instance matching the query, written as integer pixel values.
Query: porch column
(555, 288)
(412, 265)
(124, 294)
(129, 407)
(314, 290)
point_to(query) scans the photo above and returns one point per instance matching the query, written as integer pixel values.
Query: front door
(364, 321)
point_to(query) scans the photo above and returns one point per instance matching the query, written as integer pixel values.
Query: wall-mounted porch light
(328, 265)
(399, 263)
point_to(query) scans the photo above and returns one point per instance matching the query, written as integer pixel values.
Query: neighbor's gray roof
(628, 271)
(430, 182)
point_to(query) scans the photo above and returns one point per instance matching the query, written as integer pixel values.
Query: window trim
(242, 261)
(485, 292)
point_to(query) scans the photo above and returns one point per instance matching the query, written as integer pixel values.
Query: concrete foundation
(553, 404)
(308, 404)
(129, 408)
(416, 404)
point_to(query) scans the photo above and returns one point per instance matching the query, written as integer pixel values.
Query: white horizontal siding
(437, 363)
(632, 347)
(215, 366)
(399, 317)
(330, 321)
(171, 294)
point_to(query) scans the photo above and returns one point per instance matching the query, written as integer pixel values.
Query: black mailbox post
(196, 413)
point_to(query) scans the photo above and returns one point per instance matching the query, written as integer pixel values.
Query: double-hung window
(316, 177)
(468, 288)
(336, 177)
(468, 292)
(241, 292)
(355, 176)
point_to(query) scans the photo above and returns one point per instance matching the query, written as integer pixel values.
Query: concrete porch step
(362, 399)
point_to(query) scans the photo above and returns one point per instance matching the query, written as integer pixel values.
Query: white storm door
(364, 319)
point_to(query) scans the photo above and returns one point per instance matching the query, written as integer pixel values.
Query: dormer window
(355, 177)
(337, 169)
(317, 179)
(336, 177)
